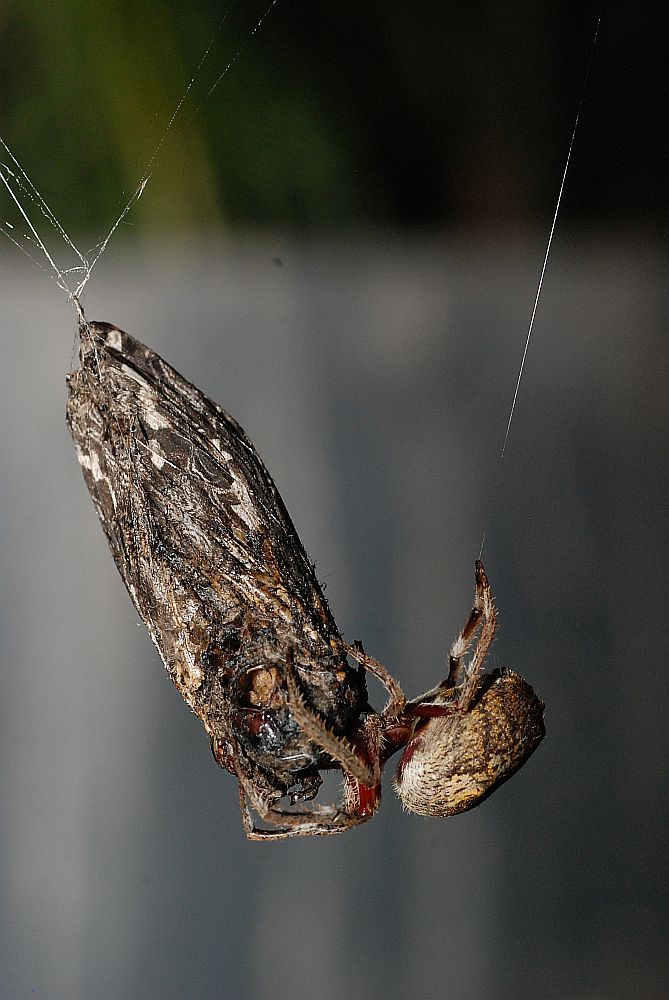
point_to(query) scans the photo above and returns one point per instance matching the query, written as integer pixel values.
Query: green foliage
(88, 92)
(334, 113)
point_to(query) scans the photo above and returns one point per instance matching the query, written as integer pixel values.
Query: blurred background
(341, 245)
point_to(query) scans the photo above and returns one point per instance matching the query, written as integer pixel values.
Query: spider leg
(317, 820)
(362, 799)
(315, 729)
(483, 615)
(462, 644)
(397, 700)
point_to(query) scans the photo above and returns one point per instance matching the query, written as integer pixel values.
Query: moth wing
(196, 525)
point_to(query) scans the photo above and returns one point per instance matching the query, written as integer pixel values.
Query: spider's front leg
(471, 732)
(458, 691)
(307, 822)
(379, 735)
(359, 761)
(483, 614)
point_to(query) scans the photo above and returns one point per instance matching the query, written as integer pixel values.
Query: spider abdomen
(456, 760)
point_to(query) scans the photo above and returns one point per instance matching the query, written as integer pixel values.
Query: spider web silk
(540, 284)
(72, 279)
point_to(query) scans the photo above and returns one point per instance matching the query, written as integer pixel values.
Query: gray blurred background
(341, 245)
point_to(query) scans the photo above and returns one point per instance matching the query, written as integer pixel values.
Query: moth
(214, 566)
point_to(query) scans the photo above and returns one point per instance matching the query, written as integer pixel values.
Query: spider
(461, 740)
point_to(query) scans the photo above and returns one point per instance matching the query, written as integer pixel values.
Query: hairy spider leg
(484, 616)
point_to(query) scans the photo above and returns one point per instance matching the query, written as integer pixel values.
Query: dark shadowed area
(374, 369)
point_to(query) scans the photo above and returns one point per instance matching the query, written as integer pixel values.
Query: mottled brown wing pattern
(203, 542)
